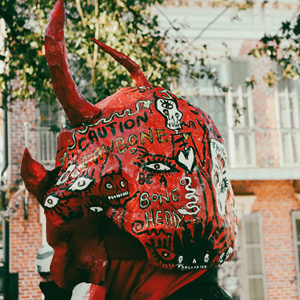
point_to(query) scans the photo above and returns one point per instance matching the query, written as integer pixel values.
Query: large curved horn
(76, 107)
(36, 178)
(126, 62)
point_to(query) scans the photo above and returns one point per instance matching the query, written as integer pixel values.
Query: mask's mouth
(118, 196)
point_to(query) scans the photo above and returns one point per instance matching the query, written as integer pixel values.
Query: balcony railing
(247, 145)
(238, 132)
(45, 143)
(46, 146)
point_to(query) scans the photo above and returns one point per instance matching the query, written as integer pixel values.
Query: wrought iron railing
(46, 146)
(44, 142)
(247, 145)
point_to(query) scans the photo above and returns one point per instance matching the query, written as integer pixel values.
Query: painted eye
(122, 184)
(156, 164)
(51, 201)
(109, 186)
(158, 167)
(166, 254)
(65, 176)
(80, 184)
(96, 209)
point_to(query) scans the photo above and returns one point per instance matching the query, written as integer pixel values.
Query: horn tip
(26, 158)
(26, 152)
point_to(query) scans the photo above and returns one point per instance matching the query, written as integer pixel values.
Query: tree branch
(97, 33)
(206, 27)
(80, 12)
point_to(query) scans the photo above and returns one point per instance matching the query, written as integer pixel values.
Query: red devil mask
(148, 160)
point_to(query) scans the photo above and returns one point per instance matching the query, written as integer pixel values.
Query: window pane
(252, 231)
(256, 289)
(239, 71)
(298, 229)
(1, 243)
(254, 261)
(298, 94)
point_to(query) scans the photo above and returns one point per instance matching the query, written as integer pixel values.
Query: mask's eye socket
(122, 184)
(109, 186)
(51, 201)
(165, 254)
(80, 184)
(65, 176)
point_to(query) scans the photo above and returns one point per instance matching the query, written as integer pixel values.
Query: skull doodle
(113, 185)
(167, 106)
(142, 159)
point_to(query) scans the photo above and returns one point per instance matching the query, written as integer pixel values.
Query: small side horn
(36, 178)
(126, 62)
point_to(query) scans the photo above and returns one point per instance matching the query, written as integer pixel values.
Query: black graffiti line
(123, 219)
(189, 125)
(147, 231)
(146, 105)
(203, 193)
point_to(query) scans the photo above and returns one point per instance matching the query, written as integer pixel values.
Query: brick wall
(275, 200)
(25, 235)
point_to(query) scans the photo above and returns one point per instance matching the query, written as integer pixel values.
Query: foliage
(282, 48)
(125, 25)
(132, 28)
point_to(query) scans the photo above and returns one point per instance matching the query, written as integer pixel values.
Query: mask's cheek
(68, 210)
(79, 257)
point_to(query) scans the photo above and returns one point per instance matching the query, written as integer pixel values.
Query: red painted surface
(149, 161)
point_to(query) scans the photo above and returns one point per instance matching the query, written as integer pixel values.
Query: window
(237, 131)
(252, 247)
(241, 127)
(296, 238)
(48, 117)
(1, 241)
(288, 103)
(230, 274)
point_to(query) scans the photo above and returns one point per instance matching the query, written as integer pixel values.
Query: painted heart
(186, 158)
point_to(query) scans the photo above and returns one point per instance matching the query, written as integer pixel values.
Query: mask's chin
(80, 254)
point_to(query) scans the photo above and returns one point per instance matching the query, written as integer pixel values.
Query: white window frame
(289, 130)
(245, 246)
(239, 133)
(242, 136)
(296, 216)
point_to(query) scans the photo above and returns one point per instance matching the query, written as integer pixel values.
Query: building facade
(263, 155)
(262, 142)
